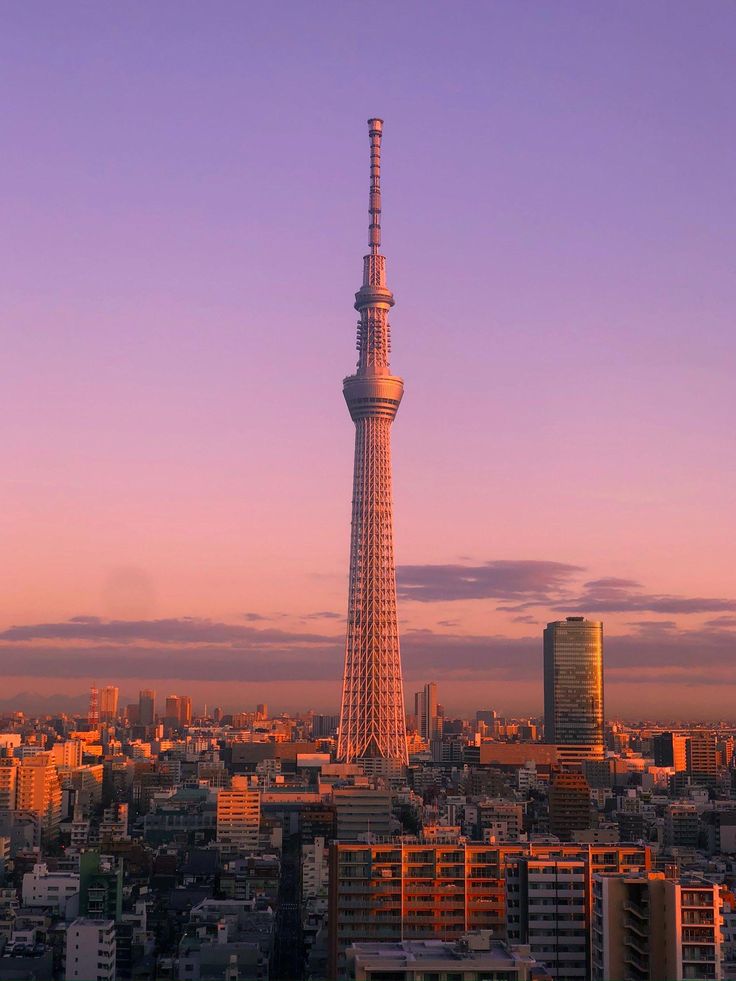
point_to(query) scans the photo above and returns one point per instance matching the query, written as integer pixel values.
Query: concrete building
(108, 703)
(649, 927)
(425, 709)
(38, 792)
(315, 868)
(670, 749)
(90, 950)
(546, 908)
(569, 805)
(58, 891)
(397, 891)
(573, 684)
(67, 752)
(360, 811)
(468, 959)
(146, 707)
(238, 817)
(681, 825)
(702, 756)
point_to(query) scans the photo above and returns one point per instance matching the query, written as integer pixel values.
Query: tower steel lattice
(372, 718)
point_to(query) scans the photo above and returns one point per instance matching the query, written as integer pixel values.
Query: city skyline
(175, 280)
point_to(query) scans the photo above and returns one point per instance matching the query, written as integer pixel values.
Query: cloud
(627, 596)
(524, 580)
(174, 630)
(722, 623)
(324, 615)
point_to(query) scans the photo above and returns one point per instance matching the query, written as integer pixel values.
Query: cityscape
(225, 753)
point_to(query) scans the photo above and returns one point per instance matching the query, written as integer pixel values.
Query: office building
(649, 927)
(573, 684)
(109, 703)
(372, 713)
(172, 711)
(426, 711)
(146, 707)
(185, 710)
(670, 749)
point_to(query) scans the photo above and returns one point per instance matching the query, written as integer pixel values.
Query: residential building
(649, 927)
(58, 891)
(416, 891)
(361, 811)
(546, 908)
(90, 950)
(238, 817)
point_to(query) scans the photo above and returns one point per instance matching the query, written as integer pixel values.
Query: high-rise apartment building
(573, 684)
(399, 891)
(8, 780)
(238, 817)
(109, 703)
(38, 792)
(372, 713)
(546, 908)
(426, 711)
(648, 927)
(146, 707)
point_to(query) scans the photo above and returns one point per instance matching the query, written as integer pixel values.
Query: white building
(90, 950)
(54, 890)
(315, 868)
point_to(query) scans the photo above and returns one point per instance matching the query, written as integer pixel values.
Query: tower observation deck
(372, 713)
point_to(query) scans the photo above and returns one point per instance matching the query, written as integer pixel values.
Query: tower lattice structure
(372, 717)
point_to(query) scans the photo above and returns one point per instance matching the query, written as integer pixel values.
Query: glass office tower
(573, 682)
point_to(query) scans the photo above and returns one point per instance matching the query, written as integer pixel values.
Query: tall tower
(372, 719)
(573, 684)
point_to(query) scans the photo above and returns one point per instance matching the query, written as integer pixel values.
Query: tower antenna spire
(374, 207)
(372, 712)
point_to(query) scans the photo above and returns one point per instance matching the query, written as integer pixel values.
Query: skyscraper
(573, 684)
(108, 703)
(372, 719)
(146, 707)
(426, 710)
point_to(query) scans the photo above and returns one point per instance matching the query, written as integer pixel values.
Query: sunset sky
(184, 197)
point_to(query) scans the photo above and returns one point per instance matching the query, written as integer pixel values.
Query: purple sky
(184, 201)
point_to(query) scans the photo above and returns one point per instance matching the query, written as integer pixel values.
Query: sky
(184, 197)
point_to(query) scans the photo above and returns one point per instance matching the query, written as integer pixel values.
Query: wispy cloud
(500, 579)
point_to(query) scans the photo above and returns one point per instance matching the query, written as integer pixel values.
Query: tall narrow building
(573, 685)
(372, 714)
